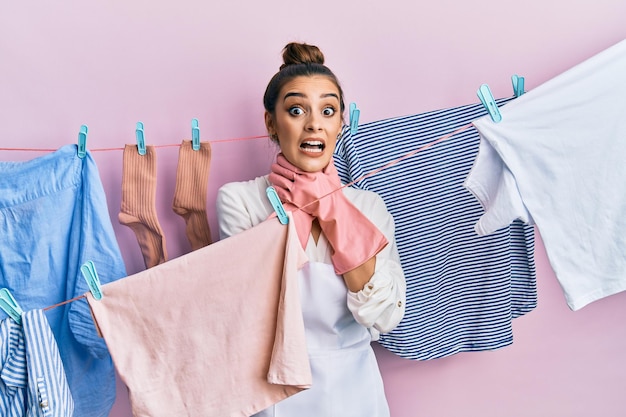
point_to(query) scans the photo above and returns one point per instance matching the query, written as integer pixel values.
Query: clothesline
(366, 175)
(64, 302)
(394, 162)
(122, 148)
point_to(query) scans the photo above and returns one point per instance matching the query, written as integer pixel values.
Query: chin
(314, 166)
(308, 163)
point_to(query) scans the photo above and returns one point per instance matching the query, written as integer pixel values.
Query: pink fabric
(216, 332)
(353, 237)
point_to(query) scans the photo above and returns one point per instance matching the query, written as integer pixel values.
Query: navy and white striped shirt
(13, 378)
(462, 289)
(32, 376)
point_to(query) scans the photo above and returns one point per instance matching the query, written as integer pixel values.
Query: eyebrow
(302, 95)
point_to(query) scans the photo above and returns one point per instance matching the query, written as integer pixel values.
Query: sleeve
(97, 243)
(494, 186)
(232, 215)
(380, 305)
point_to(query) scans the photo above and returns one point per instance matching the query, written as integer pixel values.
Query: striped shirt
(33, 382)
(13, 378)
(462, 289)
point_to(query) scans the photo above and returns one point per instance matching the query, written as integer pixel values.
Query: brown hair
(299, 60)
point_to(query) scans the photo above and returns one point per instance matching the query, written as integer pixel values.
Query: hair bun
(301, 53)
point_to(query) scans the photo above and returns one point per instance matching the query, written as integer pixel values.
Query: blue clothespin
(141, 141)
(195, 135)
(354, 119)
(518, 85)
(485, 96)
(10, 306)
(90, 274)
(277, 205)
(82, 141)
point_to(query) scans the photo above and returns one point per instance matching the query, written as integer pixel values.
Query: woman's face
(307, 121)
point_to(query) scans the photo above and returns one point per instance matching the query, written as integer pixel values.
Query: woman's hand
(353, 238)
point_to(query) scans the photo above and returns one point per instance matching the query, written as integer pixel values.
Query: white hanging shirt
(558, 159)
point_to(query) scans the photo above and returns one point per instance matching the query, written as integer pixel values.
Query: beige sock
(192, 180)
(138, 209)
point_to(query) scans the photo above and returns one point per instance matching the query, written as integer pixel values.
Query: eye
(296, 111)
(328, 111)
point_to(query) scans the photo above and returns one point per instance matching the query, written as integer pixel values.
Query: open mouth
(313, 146)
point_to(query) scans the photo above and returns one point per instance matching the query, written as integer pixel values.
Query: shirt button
(43, 404)
(400, 303)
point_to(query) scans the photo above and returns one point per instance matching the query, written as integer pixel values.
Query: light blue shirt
(53, 218)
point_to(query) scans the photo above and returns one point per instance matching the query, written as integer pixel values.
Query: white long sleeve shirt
(380, 305)
(557, 159)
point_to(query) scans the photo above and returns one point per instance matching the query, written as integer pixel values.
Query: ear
(269, 123)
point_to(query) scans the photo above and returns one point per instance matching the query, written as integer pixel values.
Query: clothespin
(354, 119)
(195, 135)
(485, 96)
(82, 141)
(10, 306)
(277, 205)
(141, 142)
(90, 274)
(518, 85)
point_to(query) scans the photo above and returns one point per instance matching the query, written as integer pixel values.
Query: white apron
(346, 378)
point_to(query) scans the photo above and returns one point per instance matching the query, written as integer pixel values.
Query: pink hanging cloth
(215, 332)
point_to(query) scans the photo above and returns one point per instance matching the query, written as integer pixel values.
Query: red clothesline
(369, 174)
(121, 149)
(395, 161)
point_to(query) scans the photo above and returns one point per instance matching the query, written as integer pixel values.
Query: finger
(278, 181)
(331, 174)
(283, 172)
(283, 195)
(282, 161)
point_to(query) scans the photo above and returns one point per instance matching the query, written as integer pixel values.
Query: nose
(313, 122)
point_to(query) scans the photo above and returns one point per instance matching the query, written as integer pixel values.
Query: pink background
(111, 64)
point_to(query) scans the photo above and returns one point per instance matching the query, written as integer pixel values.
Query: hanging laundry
(462, 289)
(138, 208)
(53, 218)
(190, 195)
(557, 158)
(32, 377)
(216, 332)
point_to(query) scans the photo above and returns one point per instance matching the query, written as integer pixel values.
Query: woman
(353, 287)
